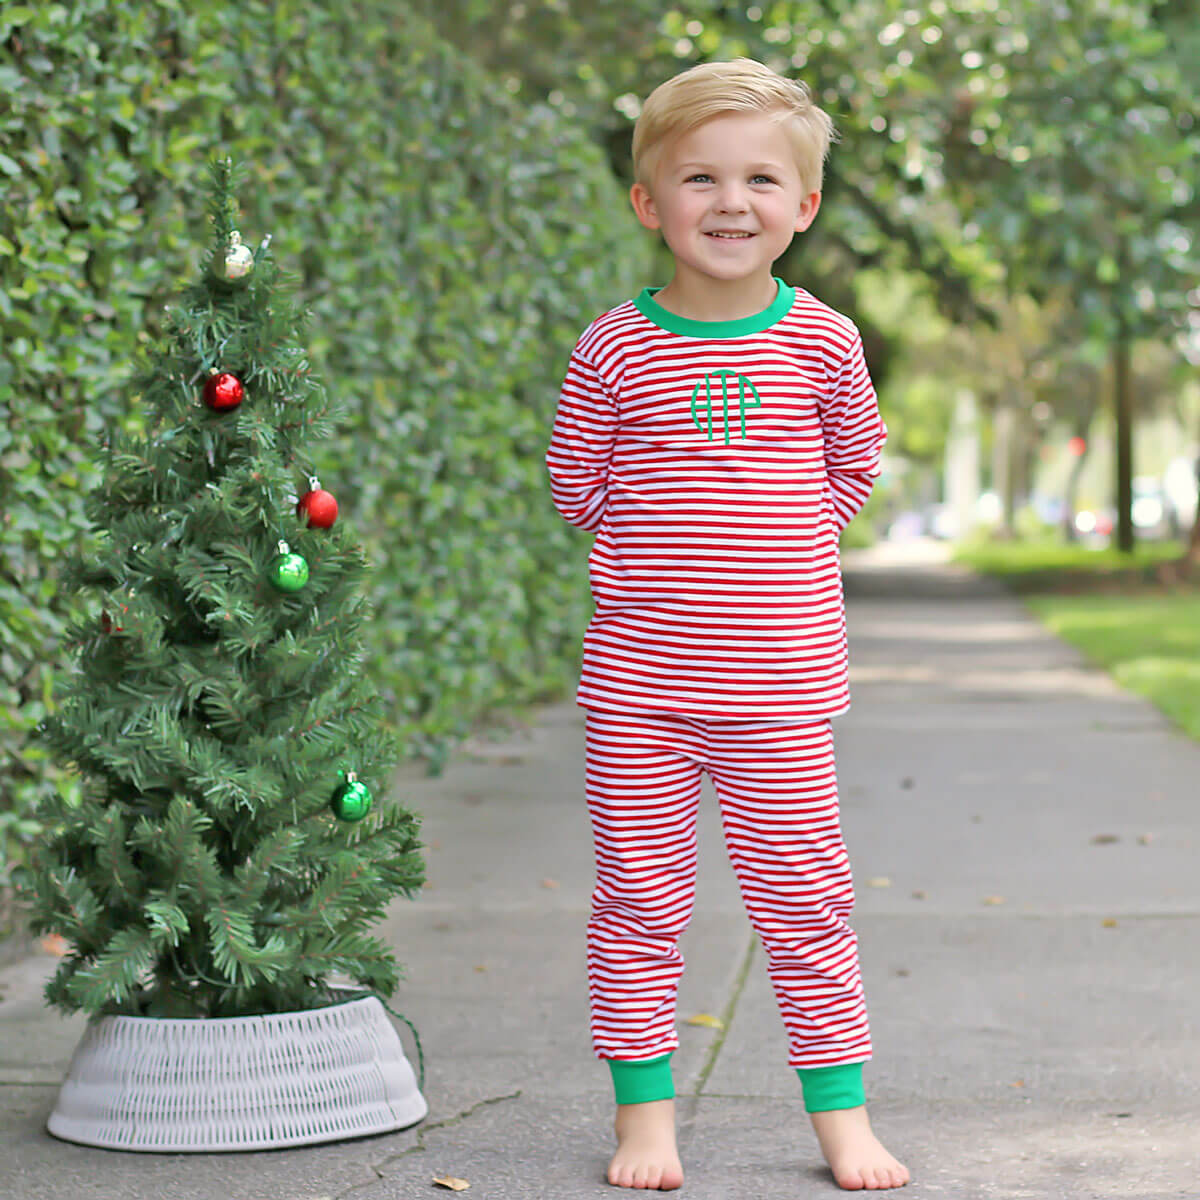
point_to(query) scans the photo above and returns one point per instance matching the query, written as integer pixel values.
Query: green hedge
(450, 245)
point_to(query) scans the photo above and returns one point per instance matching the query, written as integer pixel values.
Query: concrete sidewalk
(1025, 840)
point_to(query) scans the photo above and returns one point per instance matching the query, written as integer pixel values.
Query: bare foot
(854, 1153)
(646, 1156)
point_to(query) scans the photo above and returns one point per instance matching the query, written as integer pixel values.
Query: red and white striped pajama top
(717, 463)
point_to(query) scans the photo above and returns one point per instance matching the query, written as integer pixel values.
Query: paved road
(1025, 844)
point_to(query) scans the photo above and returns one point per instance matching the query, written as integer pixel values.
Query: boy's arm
(854, 434)
(581, 446)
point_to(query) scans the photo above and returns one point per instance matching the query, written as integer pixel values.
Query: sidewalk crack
(739, 985)
(421, 1131)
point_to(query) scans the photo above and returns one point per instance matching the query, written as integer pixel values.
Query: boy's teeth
(729, 235)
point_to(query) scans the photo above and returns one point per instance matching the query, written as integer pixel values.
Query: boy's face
(733, 175)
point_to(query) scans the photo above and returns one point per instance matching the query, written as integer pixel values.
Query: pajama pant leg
(778, 791)
(643, 792)
(777, 785)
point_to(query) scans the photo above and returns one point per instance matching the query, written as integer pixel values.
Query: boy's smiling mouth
(728, 233)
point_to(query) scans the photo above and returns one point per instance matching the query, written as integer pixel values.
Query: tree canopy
(986, 143)
(997, 149)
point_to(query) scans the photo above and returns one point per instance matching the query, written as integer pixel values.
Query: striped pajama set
(717, 462)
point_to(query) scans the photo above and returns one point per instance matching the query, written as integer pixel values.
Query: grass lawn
(1120, 612)
(1054, 566)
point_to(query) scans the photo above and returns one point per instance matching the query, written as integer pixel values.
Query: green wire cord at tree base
(399, 1017)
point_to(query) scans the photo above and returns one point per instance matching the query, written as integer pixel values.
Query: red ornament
(223, 391)
(106, 622)
(320, 507)
(1076, 446)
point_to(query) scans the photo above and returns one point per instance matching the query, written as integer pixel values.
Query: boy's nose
(731, 200)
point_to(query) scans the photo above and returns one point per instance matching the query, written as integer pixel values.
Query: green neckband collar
(645, 303)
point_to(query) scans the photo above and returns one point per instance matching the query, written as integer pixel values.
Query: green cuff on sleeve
(828, 1088)
(641, 1082)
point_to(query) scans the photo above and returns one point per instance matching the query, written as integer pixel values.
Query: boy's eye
(693, 178)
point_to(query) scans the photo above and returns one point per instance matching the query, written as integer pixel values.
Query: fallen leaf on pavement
(994, 899)
(707, 1020)
(56, 944)
(1109, 923)
(480, 968)
(449, 1181)
(918, 894)
(551, 884)
(1145, 839)
(880, 881)
(1105, 839)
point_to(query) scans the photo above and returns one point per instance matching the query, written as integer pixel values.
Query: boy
(717, 434)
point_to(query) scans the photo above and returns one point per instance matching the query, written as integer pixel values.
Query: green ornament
(351, 801)
(289, 572)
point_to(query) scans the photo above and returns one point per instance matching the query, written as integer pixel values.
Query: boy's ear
(644, 206)
(808, 211)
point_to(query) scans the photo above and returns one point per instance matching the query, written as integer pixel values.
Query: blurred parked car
(1154, 517)
(934, 520)
(1095, 526)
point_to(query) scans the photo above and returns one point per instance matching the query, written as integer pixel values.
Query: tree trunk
(1123, 398)
(961, 463)
(1193, 548)
(1003, 431)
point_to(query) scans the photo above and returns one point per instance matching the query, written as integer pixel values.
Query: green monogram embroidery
(724, 376)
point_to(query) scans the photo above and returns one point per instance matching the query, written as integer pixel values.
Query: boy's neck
(708, 299)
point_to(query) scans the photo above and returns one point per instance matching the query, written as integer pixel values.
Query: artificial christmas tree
(233, 846)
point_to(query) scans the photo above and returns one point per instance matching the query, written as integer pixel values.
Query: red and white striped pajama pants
(777, 787)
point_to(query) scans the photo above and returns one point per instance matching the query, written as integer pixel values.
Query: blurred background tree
(1001, 152)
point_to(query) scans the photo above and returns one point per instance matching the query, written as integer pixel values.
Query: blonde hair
(717, 89)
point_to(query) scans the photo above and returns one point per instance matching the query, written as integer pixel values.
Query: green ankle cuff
(827, 1088)
(641, 1082)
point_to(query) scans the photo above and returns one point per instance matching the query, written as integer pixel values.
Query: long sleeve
(581, 445)
(854, 434)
